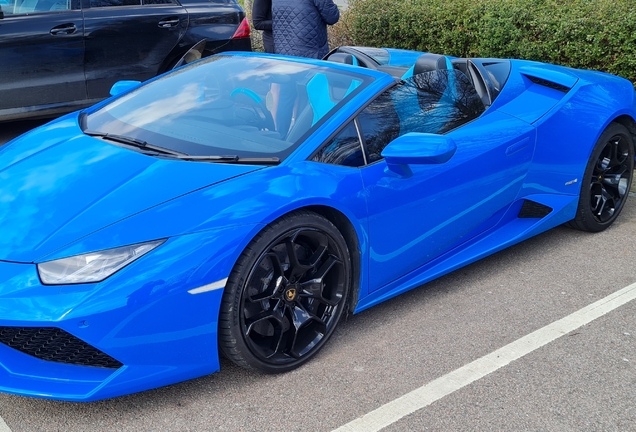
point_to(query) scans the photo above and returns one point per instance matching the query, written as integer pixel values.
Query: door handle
(63, 29)
(168, 22)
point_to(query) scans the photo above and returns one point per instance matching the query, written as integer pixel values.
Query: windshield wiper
(232, 159)
(134, 142)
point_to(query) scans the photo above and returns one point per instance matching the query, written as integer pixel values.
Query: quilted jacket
(300, 26)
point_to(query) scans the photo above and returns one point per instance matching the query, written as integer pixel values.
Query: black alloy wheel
(607, 180)
(286, 294)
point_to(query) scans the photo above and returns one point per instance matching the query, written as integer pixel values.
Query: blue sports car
(242, 204)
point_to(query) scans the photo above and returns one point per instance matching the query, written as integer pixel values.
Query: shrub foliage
(586, 34)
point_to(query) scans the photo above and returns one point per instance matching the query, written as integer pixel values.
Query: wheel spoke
(275, 314)
(314, 288)
(616, 183)
(605, 205)
(269, 285)
(617, 156)
(326, 267)
(300, 317)
(309, 330)
(321, 249)
(297, 269)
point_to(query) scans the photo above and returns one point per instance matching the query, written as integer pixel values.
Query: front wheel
(285, 294)
(607, 179)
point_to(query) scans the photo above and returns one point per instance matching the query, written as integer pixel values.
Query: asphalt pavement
(583, 380)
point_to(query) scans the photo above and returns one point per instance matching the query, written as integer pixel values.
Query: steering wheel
(249, 97)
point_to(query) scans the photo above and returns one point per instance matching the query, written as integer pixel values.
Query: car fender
(558, 165)
(253, 200)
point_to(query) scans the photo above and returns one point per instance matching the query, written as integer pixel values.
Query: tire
(607, 179)
(286, 294)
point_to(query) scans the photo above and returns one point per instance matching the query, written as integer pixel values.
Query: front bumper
(152, 319)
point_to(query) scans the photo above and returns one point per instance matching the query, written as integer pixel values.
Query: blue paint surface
(63, 193)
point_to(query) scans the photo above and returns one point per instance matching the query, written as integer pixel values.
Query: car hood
(58, 185)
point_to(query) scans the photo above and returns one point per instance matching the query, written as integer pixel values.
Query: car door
(418, 212)
(128, 40)
(41, 54)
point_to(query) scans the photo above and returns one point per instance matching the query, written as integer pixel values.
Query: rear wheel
(286, 294)
(607, 180)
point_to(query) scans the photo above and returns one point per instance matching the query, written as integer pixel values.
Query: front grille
(56, 345)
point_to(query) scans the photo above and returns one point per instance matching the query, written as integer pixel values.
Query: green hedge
(587, 34)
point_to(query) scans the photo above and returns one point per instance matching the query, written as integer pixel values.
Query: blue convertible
(243, 203)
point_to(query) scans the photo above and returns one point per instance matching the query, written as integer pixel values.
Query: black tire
(607, 179)
(285, 294)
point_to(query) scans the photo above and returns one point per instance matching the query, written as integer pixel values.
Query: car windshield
(229, 105)
(390, 56)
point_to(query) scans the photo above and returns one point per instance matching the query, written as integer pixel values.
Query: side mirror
(417, 149)
(123, 86)
(1, 13)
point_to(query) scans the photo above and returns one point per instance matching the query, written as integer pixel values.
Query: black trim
(533, 210)
(56, 345)
(549, 84)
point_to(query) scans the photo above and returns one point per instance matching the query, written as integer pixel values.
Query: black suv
(57, 56)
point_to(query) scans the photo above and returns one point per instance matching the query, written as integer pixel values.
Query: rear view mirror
(123, 86)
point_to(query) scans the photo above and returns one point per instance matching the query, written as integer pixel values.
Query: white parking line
(3, 426)
(437, 389)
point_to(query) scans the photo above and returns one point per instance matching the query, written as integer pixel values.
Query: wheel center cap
(290, 294)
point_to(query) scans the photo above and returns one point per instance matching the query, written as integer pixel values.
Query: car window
(430, 102)
(236, 105)
(344, 149)
(112, 3)
(21, 7)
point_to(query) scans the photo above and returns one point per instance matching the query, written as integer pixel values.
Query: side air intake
(549, 76)
(56, 345)
(533, 210)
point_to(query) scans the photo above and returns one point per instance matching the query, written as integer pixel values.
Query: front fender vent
(56, 345)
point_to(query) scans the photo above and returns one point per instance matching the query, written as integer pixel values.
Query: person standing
(300, 26)
(262, 20)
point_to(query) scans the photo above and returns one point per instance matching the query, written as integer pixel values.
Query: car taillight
(243, 30)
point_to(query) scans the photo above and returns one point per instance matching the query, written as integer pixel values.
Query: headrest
(341, 58)
(429, 62)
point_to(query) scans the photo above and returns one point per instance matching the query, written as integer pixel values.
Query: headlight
(92, 267)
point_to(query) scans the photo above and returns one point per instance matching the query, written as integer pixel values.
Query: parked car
(57, 56)
(188, 216)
